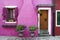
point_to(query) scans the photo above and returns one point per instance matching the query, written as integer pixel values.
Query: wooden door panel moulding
(42, 20)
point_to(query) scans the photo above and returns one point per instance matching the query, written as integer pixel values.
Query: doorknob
(45, 19)
(40, 14)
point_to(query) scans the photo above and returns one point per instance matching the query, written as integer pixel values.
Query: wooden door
(44, 20)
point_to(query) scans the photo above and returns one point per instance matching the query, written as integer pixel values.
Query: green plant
(32, 28)
(20, 27)
(11, 20)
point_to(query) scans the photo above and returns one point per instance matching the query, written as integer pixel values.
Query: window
(57, 17)
(10, 14)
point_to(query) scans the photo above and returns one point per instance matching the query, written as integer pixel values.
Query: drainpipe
(53, 18)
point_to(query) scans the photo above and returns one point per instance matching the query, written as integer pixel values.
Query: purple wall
(27, 15)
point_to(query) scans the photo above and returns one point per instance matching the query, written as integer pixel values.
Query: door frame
(49, 19)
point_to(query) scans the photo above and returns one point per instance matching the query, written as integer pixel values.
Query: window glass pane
(10, 15)
(58, 18)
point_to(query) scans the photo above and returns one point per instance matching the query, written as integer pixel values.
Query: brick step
(44, 32)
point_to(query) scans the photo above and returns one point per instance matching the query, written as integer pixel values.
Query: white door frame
(49, 19)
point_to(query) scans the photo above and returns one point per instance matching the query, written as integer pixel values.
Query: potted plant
(32, 30)
(20, 29)
(11, 20)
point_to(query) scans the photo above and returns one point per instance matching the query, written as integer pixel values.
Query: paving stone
(30, 38)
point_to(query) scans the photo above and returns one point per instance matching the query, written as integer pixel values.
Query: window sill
(10, 22)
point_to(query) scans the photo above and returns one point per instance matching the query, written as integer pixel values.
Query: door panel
(44, 20)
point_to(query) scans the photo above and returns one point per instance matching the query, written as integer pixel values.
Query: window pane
(58, 18)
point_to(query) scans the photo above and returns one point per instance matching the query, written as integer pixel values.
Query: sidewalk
(35, 38)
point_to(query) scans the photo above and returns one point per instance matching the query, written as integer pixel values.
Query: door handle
(40, 14)
(45, 19)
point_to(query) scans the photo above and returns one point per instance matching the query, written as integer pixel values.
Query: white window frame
(56, 18)
(49, 19)
(10, 6)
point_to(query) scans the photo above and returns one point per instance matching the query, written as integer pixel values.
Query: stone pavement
(34, 38)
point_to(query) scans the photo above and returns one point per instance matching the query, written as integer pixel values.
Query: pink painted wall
(27, 15)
